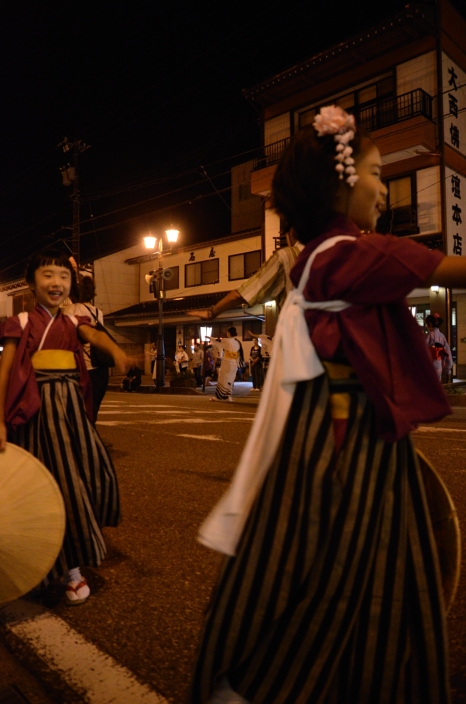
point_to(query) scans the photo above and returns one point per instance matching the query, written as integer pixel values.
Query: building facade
(405, 81)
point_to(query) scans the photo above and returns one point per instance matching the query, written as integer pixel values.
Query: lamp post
(157, 278)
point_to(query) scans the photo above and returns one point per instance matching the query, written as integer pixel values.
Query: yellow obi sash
(53, 359)
(228, 354)
(339, 402)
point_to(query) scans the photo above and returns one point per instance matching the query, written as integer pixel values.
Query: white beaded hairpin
(334, 120)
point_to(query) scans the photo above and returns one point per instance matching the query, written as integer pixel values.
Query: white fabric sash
(294, 359)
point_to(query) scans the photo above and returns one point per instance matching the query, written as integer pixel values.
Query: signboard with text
(455, 196)
(454, 104)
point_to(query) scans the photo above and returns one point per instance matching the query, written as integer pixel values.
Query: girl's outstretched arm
(6, 362)
(103, 342)
(451, 273)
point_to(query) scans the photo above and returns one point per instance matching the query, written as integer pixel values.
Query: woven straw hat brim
(32, 522)
(445, 526)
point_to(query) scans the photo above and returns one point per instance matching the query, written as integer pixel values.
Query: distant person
(181, 360)
(85, 308)
(196, 361)
(231, 362)
(438, 346)
(217, 352)
(209, 364)
(153, 355)
(255, 361)
(132, 380)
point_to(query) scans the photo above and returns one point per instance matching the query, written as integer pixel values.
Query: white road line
(132, 413)
(172, 421)
(430, 429)
(215, 438)
(96, 677)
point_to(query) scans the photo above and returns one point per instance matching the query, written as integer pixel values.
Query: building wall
(198, 253)
(429, 212)
(420, 72)
(117, 284)
(6, 305)
(246, 208)
(277, 128)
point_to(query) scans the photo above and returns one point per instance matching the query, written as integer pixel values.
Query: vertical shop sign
(455, 199)
(454, 104)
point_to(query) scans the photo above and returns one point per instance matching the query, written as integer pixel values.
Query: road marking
(172, 421)
(215, 438)
(63, 653)
(132, 413)
(430, 429)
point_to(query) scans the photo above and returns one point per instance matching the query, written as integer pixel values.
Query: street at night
(175, 456)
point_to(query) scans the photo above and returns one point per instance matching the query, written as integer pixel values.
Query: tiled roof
(170, 305)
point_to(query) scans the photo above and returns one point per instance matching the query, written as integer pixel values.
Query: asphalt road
(175, 456)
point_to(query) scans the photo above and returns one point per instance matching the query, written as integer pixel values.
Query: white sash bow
(294, 359)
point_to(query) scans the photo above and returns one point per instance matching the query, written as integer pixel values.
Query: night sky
(155, 89)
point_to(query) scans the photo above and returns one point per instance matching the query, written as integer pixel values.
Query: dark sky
(155, 90)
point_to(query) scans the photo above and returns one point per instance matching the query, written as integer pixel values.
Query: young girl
(332, 591)
(438, 346)
(46, 408)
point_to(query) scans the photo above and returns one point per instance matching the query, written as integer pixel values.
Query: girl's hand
(122, 362)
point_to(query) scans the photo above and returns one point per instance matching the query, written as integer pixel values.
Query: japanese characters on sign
(454, 104)
(455, 199)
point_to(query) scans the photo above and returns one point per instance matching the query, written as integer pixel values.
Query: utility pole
(70, 176)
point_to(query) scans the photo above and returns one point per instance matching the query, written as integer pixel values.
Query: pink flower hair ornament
(333, 120)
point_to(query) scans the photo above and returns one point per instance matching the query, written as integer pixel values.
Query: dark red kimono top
(23, 399)
(377, 334)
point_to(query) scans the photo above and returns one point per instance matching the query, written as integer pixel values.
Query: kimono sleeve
(376, 269)
(11, 328)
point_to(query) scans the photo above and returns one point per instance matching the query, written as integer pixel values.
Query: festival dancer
(46, 408)
(333, 590)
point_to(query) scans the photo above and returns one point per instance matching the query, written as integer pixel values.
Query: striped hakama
(334, 595)
(62, 437)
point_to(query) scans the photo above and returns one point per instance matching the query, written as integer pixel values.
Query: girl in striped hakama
(46, 408)
(335, 584)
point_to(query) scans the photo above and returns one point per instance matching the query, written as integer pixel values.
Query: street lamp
(157, 278)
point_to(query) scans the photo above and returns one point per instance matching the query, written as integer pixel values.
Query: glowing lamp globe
(150, 241)
(172, 235)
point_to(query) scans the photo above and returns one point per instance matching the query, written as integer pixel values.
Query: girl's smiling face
(368, 196)
(51, 286)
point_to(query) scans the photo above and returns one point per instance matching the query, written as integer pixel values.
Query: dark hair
(49, 257)
(434, 320)
(86, 289)
(232, 331)
(305, 184)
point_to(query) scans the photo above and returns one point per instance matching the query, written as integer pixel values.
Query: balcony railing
(392, 110)
(382, 113)
(270, 154)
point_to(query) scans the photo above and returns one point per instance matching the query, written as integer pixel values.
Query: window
(242, 266)
(173, 283)
(365, 102)
(201, 273)
(400, 218)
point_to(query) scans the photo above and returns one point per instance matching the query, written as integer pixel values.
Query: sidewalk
(242, 389)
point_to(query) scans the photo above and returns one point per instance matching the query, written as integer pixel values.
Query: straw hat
(32, 522)
(445, 527)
